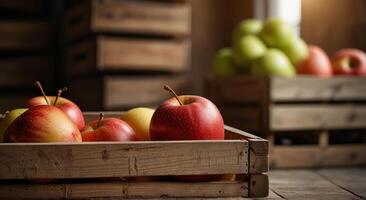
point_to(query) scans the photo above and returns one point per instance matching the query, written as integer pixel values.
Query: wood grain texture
(161, 18)
(317, 116)
(305, 184)
(309, 88)
(118, 159)
(124, 190)
(25, 35)
(168, 55)
(350, 179)
(12, 71)
(315, 156)
(323, 23)
(258, 185)
(133, 91)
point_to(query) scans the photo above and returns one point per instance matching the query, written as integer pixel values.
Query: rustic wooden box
(25, 35)
(86, 170)
(163, 18)
(123, 92)
(108, 53)
(22, 6)
(300, 105)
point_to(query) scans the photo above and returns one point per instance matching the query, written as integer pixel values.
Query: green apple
(8, 119)
(274, 62)
(248, 49)
(247, 27)
(276, 32)
(139, 120)
(296, 50)
(223, 63)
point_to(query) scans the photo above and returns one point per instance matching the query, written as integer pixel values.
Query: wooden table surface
(324, 184)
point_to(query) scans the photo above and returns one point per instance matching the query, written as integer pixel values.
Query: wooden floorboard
(305, 184)
(351, 179)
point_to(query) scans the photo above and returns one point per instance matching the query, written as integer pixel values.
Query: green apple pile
(261, 49)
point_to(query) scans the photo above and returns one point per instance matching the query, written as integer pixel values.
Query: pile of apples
(57, 119)
(272, 48)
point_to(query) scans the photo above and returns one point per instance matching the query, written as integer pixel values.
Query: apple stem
(59, 92)
(38, 84)
(101, 116)
(166, 87)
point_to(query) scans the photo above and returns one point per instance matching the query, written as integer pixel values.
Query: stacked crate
(309, 121)
(25, 56)
(121, 53)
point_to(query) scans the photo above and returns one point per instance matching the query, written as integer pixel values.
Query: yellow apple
(139, 119)
(8, 119)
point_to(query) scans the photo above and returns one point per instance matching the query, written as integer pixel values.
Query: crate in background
(285, 108)
(122, 91)
(161, 18)
(111, 53)
(94, 169)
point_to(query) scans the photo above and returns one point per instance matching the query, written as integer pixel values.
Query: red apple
(186, 118)
(108, 129)
(317, 63)
(67, 106)
(349, 62)
(42, 124)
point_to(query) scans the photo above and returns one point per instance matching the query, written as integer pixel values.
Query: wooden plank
(124, 190)
(12, 71)
(161, 18)
(25, 35)
(305, 184)
(239, 89)
(133, 91)
(310, 88)
(317, 117)
(246, 118)
(81, 58)
(350, 179)
(77, 21)
(258, 185)
(258, 149)
(119, 159)
(167, 55)
(314, 156)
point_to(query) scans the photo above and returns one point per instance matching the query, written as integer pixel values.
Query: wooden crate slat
(113, 53)
(13, 71)
(170, 55)
(309, 88)
(129, 91)
(28, 6)
(317, 116)
(315, 156)
(25, 35)
(245, 117)
(113, 159)
(142, 17)
(134, 17)
(124, 190)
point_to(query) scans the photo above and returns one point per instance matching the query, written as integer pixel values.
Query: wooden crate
(24, 6)
(121, 92)
(297, 106)
(13, 71)
(86, 170)
(163, 18)
(25, 35)
(106, 53)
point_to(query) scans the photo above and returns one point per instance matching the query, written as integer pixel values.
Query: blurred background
(117, 54)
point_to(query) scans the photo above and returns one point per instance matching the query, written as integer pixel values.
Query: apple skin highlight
(197, 119)
(67, 106)
(42, 124)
